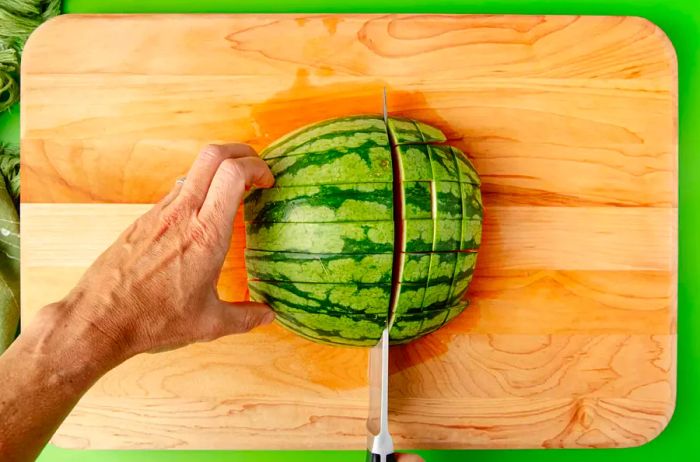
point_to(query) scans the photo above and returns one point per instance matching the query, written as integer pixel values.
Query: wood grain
(566, 402)
(561, 238)
(488, 93)
(572, 123)
(556, 290)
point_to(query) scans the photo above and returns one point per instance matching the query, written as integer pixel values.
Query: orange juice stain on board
(331, 24)
(304, 103)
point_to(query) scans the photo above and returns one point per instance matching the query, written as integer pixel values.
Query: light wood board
(572, 123)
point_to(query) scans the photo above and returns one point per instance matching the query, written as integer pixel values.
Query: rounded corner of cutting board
(44, 34)
(649, 437)
(665, 42)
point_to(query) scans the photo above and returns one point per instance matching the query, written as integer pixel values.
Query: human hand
(155, 287)
(409, 458)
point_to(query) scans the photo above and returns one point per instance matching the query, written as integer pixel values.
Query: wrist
(55, 360)
(78, 347)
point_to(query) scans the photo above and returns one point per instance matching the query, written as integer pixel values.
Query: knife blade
(380, 445)
(385, 110)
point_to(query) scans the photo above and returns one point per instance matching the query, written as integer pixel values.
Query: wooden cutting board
(572, 123)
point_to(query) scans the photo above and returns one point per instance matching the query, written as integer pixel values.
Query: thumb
(240, 317)
(408, 458)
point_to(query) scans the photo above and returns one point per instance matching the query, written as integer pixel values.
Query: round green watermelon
(366, 223)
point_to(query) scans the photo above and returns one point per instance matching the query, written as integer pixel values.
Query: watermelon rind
(330, 249)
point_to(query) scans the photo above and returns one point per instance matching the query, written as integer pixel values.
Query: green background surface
(680, 19)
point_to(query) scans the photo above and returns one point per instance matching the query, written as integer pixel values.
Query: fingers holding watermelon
(155, 287)
(409, 458)
(226, 190)
(206, 165)
(237, 318)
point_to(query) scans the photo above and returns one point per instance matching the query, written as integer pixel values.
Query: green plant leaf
(9, 268)
(9, 169)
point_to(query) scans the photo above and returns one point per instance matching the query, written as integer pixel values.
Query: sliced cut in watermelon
(369, 237)
(317, 267)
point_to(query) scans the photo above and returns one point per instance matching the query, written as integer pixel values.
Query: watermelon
(368, 223)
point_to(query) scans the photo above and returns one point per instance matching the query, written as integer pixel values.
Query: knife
(380, 446)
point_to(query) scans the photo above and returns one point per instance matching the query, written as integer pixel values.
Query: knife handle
(371, 457)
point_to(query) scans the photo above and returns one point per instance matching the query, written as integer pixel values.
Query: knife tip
(384, 105)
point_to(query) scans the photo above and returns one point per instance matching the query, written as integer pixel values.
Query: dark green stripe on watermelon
(443, 162)
(455, 311)
(306, 138)
(417, 199)
(370, 237)
(467, 172)
(405, 330)
(453, 200)
(449, 200)
(323, 203)
(471, 199)
(464, 271)
(321, 268)
(333, 299)
(432, 321)
(443, 266)
(418, 298)
(348, 140)
(330, 332)
(411, 327)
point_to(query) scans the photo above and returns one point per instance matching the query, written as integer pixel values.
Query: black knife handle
(371, 457)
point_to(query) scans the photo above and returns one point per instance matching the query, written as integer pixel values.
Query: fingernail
(268, 318)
